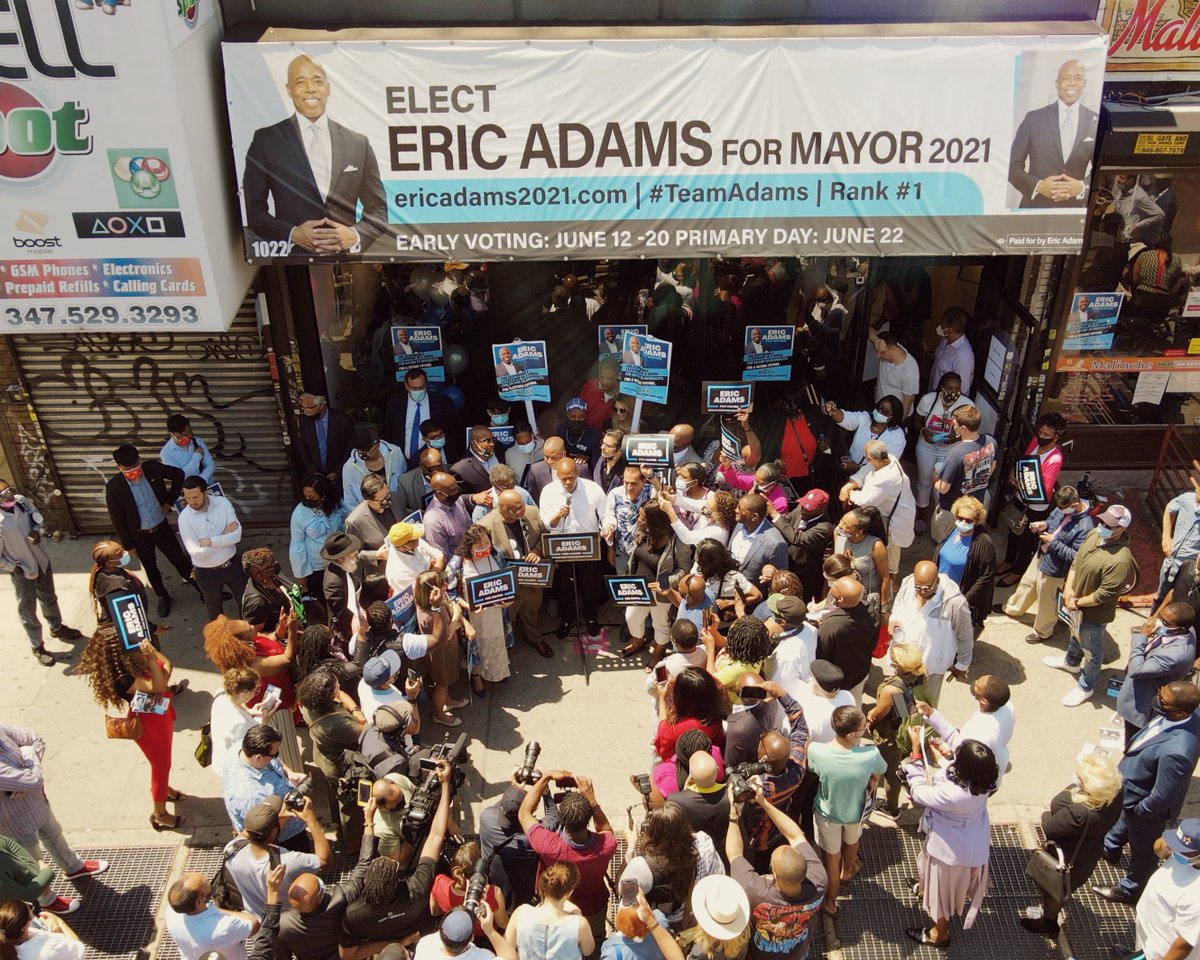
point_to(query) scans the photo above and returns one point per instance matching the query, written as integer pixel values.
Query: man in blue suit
(755, 542)
(1161, 652)
(1157, 769)
(1052, 149)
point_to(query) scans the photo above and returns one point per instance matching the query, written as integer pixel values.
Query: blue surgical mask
(527, 447)
(438, 443)
(418, 396)
(1181, 858)
(126, 559)
(879, 417)
(1105, 533)
(964, 526)
(499, 419)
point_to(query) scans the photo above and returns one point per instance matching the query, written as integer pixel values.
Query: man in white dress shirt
(210, 531)
(574, 504)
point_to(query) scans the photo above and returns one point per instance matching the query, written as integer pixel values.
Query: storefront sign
(767, 353)
(521, 370)
(612, 339)
(1161, 144)
(727, 397)
(630, 591)
(1153, 35)
(476, 149)
(645, 367)
(102, 167)
(649, 450)
(418, 348)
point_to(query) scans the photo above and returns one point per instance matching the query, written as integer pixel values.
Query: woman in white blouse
(231, 718)
(25, 937)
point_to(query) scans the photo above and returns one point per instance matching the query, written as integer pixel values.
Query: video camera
(737, 780)
(476, 888)
(428, 793)
(528, 774)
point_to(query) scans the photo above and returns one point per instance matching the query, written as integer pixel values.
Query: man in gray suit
(634, 354)
(413, 486)
(1161, 651)
(1052, 150)
(371, 520)
(516, 529)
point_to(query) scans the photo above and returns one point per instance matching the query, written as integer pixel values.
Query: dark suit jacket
(333, 585)
(410, 493)
(471, 474)
(1145, 673)
(277, 164)
(371, 528)
(493, 523)
(1157, 771)
(338, 443)
(396, 414)
(1037, 153)
(166, 482)
(538, 479)
(806, 549)
(847, 638)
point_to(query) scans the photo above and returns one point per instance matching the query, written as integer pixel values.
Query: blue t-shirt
(952, 557)
(695, 615)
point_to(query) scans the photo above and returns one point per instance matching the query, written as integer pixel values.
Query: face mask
(438, 443)
(950, 397)
(940, 331)
(879, 417)
(385, 503)
(8, 502)
(966, 526)
(125, 560)
(1105, 533)
(1156, 705)
(418, 396)
(682, 485)
(480, 553)
(133, 476)
(499, 419)
(1164, 630)
(1185, 860)
(527, 447)
(184, 441)
(314, 504)
(449, 499)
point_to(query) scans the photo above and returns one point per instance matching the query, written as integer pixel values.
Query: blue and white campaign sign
(645, 367)
(767, 354)
(418, 348)
(482, 149)
(490, 589)
(612, 338)
(726, 397)
(129, 617)
(404, 610)
(1092, 324)
(521, 369)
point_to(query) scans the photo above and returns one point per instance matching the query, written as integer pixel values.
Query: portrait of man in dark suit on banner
(1052, 150)
(315, 172)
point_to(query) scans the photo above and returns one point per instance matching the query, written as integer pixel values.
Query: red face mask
(183, 441)
(134, 475)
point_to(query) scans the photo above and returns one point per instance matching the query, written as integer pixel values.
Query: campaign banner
(1092, 322)
(532, 574)
(418, 348)
(1028, 481)
(630, 591)
(649, 449)
(404, 610)
(611, 338)
(110, 177)
(725, 397)
(645, 367)
(213, 490)
(521, 369)
(129, 617)
(767, 354)
(505, 437)
(472, 149)
(571, 547)
(489, 589)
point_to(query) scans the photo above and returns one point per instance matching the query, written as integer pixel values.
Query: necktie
(414, 431)
(322, 441)
(1067, 132)
(318, 160)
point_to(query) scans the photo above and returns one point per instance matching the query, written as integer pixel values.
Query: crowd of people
(776, 592)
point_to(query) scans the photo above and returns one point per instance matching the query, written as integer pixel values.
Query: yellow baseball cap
(402, 533)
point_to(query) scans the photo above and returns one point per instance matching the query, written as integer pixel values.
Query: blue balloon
(457, 397)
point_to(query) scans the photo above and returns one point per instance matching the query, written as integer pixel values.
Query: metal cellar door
(95, 391)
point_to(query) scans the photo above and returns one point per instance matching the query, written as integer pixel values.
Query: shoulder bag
(1051, 873)
(204, 749)
(123, 728)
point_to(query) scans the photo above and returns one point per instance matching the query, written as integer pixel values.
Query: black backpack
(225, 892)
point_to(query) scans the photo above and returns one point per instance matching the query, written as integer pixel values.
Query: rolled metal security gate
(95, 391)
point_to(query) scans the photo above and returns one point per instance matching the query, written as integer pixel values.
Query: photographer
(455, 938)
(784, 759)
(793, 890)
(335, 722)
(576, 844)
(312, 929)
(392, 794)
(393, 905)
(257, 851)
(512, 861)
(386, 740)
(704, 801)
(452, 889)
(254, 773)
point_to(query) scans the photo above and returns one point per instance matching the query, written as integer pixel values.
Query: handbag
(204, 749)
(123, 728)
(1015, 518)
(1050, 872)
(883, 642)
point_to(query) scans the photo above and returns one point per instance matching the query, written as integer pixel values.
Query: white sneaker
(1076, 696)
(1060, 663)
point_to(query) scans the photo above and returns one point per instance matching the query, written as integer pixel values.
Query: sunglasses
(620, 411)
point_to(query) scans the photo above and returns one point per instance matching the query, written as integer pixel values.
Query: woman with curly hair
(677, 856)
(117, 676)
(692, 701)
(716, 521)
(474, 557)
(651, 539)
(233, 644)
(747, 645)
(723, 579)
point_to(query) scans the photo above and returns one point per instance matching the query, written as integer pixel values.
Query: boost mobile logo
(33, 221)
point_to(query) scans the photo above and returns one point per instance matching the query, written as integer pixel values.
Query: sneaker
(888, 813)
(1077, 696)
(69, 634)
(43, 656)
(1060, 663)
(90, 868)
(61, 906)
